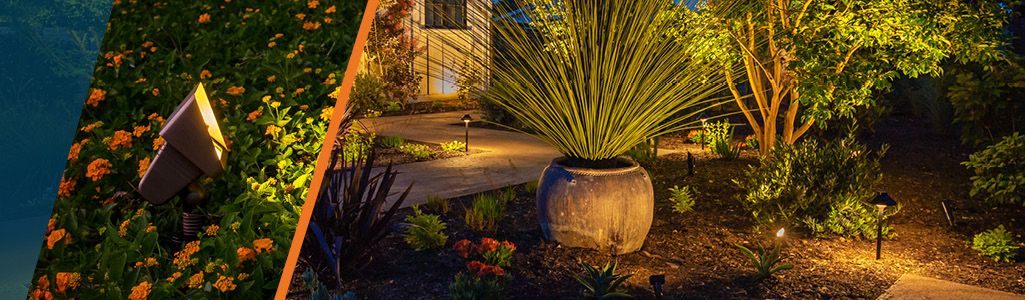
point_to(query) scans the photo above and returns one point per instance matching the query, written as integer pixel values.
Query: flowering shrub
(273, 102)
(484, 277)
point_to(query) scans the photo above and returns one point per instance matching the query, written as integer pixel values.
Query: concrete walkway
(916, 287)
(508, 158)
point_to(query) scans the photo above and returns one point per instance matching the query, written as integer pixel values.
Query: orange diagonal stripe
(325, 152)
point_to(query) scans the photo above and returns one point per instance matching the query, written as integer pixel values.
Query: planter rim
(631, 168)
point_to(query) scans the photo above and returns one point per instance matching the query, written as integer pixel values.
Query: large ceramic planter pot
(609, 209)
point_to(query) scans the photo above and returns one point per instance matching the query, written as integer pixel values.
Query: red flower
(509, 245)
(463, 248)
(487, 245)
(476, 266)
(493, 270)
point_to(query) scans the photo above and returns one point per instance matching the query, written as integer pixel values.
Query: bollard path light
(881, 201)
(466, 122)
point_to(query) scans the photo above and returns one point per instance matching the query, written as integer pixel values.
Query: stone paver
(914, 287)
(508, 158)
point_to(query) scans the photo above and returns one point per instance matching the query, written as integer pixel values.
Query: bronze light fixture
(881, 201)
(194, 147)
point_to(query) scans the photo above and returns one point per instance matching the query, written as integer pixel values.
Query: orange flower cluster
(236, 90)
(464, 247)
(42, 290)
(157, 142)
(92, 126)
(482, 269)
(205, 74)
(139, 130)
(204, 18)
(255, 114)
(156, 92)
(141, 291)
(312, 3)
(174, 277)
(195, 281)
(143, 166)
(212, 230)
(120, 139)
(95, 97)
(245, 254)
(54, 237)
(156, 117)
(310, 26)
(97, 169)
(66, 187)
(330, 10)
(67, 281)
(263, 244)
(183, 259)
(225, 283)
(148, 262)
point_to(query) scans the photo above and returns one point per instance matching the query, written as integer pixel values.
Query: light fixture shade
(193, 147)
(883, 199)
(466, 118)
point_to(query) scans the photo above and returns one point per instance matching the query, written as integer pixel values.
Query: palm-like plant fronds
(617, 79)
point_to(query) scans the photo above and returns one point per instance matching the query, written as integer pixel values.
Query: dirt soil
(696, 251)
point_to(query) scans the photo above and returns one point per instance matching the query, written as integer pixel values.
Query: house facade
(455, 35)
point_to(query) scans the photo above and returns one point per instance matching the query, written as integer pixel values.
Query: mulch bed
(394, 156)
(696, 251)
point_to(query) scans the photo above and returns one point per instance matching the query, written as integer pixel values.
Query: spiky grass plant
(614, 79)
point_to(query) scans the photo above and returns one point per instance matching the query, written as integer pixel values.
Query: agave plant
(596, 78)
(765, 260)
(353, 212)
(603, 283)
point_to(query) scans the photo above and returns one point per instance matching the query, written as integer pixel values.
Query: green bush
(389, 142)
(418, 151)
(357, 145)
(682, 198)
(987, 100)
(486, 210)
(368, 94)
(453, 146)
(1000, 171)
(822, 187)
(424, 231)
(996, 243)
(719, 138)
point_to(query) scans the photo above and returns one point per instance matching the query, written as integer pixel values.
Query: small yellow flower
(212, 230)
(272, 130)
(271, 44)
(325, 114)
(225, 283)
(275, 104)
(123, 229)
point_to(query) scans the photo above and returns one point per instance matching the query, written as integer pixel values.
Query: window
(445, 14)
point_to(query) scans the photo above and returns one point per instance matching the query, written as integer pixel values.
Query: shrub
(531, 187)
(368, 94)
(1000, 171)
(352, 214)
(418, 151)
(424, 231)
(719, 138)
(389, 142)
(603, 283)
(437, 204)
(356, 145)
(487, 209)
(682, 198)
(996, 243)
(469, 84)
(484, 277)
(765, 261)
(821, 187)
(643, 153)
(987, 100)
(453, 146)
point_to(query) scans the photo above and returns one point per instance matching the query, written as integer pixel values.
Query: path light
(881, 201)
(656, 282)
(193, 147)
(466, 121)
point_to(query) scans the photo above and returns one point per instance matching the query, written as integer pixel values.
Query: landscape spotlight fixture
(881, 201)
(193, 147)
(466, 122)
